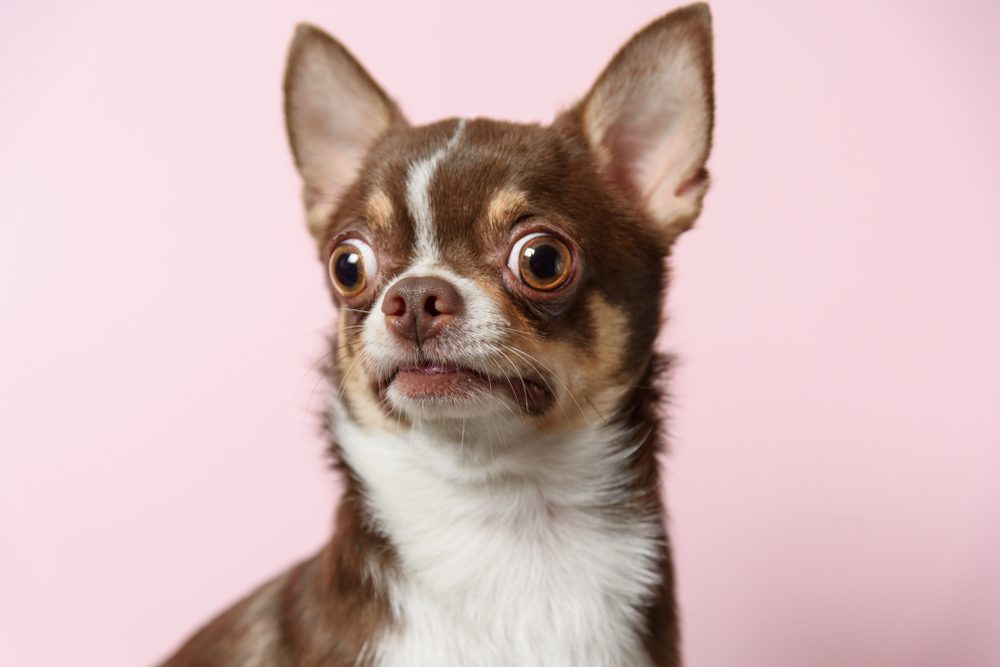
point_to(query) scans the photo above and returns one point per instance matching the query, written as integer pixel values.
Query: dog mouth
(435, 382)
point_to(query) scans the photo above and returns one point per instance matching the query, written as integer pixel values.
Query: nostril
(430, 306)
(394, 306)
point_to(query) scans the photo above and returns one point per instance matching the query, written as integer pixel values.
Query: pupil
(347, 268)
(545, 262)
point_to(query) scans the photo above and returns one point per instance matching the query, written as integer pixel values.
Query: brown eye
(541, 261)
(351, 263)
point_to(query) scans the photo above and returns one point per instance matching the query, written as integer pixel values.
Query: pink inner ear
(696, 181)
(654, 145)
(650, 115)
(627, 147)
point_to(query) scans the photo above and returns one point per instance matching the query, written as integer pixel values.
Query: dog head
(497, 273)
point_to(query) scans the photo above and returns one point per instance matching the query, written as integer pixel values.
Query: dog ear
(334, 112)
(648, 118)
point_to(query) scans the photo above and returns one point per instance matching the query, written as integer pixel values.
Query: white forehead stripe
(418, 198)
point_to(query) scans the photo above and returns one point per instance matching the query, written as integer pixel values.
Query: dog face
(498, 275)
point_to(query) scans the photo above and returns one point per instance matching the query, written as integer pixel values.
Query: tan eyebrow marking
(379, 209)
(505, 206)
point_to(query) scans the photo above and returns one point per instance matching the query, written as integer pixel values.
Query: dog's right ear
(334, 112)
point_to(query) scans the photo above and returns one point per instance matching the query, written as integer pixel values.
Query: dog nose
(420, 307)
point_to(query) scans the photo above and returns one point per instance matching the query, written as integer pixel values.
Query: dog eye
(541, 261)
(351, 263)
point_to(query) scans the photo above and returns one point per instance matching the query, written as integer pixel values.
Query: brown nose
(420, 307)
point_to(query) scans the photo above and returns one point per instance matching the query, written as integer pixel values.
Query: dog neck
(506, 523)
(603, 464)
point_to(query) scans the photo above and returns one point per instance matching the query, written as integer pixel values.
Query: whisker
(599, 414)
(520, 376)
(501, 373)
(516, 371)
(526, 332)
(531, 362)
(325, 375)
(314, 366)
(562, 384)
(347, 374)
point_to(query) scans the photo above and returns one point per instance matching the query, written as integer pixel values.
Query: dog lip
(430, 368)
(420, 368)
(435, 379)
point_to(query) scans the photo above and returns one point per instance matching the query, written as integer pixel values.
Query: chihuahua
(496, 407)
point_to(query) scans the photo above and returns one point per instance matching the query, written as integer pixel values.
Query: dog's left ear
(648, 119)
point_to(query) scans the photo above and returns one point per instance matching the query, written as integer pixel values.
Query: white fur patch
(470, 341)
(418, 181)
(507, 554)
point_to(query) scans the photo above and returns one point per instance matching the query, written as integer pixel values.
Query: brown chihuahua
(495, 415)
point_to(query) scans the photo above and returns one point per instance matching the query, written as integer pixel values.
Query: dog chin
(470, 406)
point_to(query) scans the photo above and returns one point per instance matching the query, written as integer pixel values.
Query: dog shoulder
(249, 633)
(302, 618)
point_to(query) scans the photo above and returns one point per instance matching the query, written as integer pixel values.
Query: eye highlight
(541, 261)
(351, 264)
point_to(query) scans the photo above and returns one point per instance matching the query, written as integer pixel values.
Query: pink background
(835, 482)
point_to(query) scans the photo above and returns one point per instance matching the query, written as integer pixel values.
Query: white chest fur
(516, 561)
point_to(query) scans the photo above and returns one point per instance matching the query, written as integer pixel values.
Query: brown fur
(331, 609)
(322, 612)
